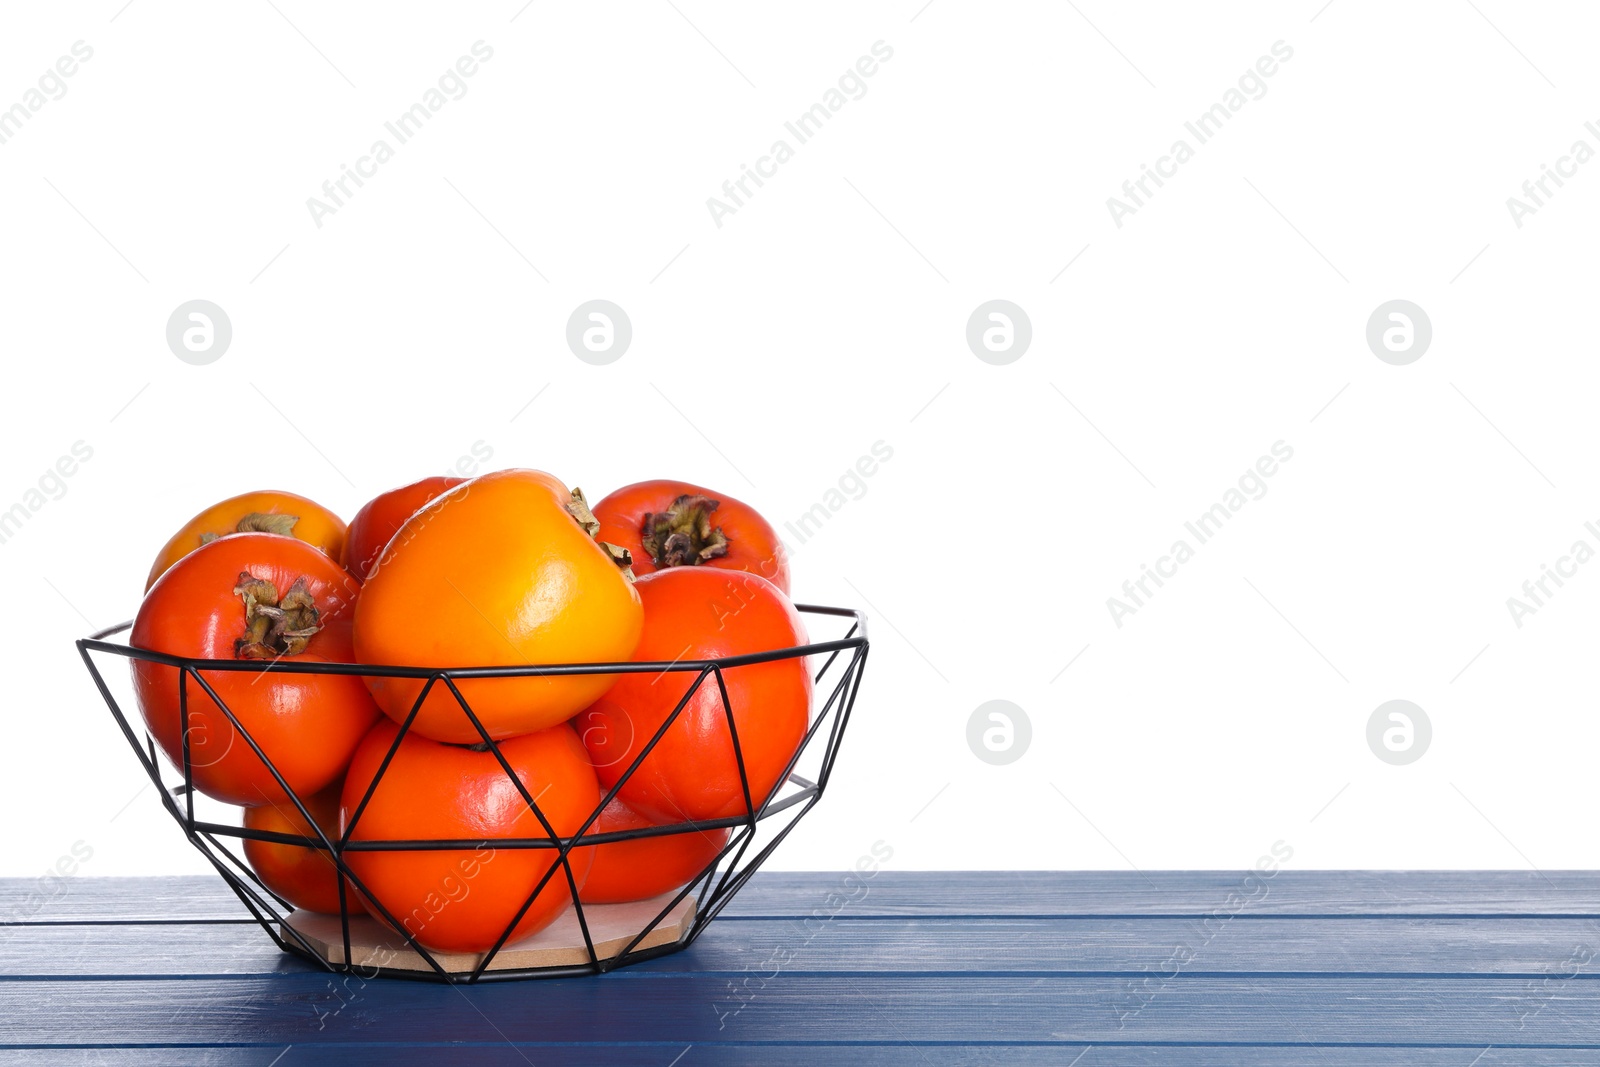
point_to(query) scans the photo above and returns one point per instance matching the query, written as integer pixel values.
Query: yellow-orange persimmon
(265, 511)
(502, 570)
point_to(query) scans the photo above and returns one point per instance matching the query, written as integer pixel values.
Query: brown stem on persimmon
(620, 556)
(259, 522)
(683, 535)
(578, 508)
(275, 626)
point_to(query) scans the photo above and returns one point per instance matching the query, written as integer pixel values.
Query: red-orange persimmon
(666, 523)
(462, 900)
(693, 613)
(384, 514)
(256, 596)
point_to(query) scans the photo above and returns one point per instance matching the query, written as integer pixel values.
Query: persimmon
(462, 900)
(384, 514)
(264, 511)
(502, 570)
(255, 596)
(645, 867)
(695, 613)
(667, 523)
(304, 876)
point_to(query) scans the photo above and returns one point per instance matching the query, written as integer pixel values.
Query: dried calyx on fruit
(275, 626)
(578, 508)
(259, 522)
(683, 534)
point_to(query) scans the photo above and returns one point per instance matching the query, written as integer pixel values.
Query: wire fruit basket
(586, 938)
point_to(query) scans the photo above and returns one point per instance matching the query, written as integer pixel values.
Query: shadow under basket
(584, 938)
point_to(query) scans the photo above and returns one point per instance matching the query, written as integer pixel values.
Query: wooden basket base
(611, 928)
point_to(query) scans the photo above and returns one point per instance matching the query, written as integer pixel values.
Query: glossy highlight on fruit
(256, 596)
(695, 613)
(498, 571)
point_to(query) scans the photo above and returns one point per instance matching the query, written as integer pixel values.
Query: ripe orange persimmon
(266, 511)
(645, 866)
(673, 524)
(378, 520)
(304, 876)
(693, 613)
(462, 900)
(254, 596)
(499, 571)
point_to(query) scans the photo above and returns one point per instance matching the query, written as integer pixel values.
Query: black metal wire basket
(752, 836)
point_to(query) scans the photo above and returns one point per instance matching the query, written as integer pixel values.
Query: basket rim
(99, 642)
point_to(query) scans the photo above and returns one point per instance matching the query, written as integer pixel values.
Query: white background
(829, 313)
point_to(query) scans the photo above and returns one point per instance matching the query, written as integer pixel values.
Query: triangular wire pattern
(753, 836)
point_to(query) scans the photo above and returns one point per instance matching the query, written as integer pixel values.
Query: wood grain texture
(801, 1055)
(1112, 893)
(706, 1008)
(1514, 948)
(981, 893)
(1345, 969)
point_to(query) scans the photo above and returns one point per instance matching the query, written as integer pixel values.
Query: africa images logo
(1203, 128)
(451, 85)
(806, 126)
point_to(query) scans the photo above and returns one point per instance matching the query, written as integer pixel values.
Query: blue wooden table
(1476, 969)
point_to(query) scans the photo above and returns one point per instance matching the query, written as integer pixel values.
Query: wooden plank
(143, 951)
(689, 1009)
(981, 893)
(771, 1055)
(1116, 893)
(1514, 948)
(183, 898)
(1511, 948)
